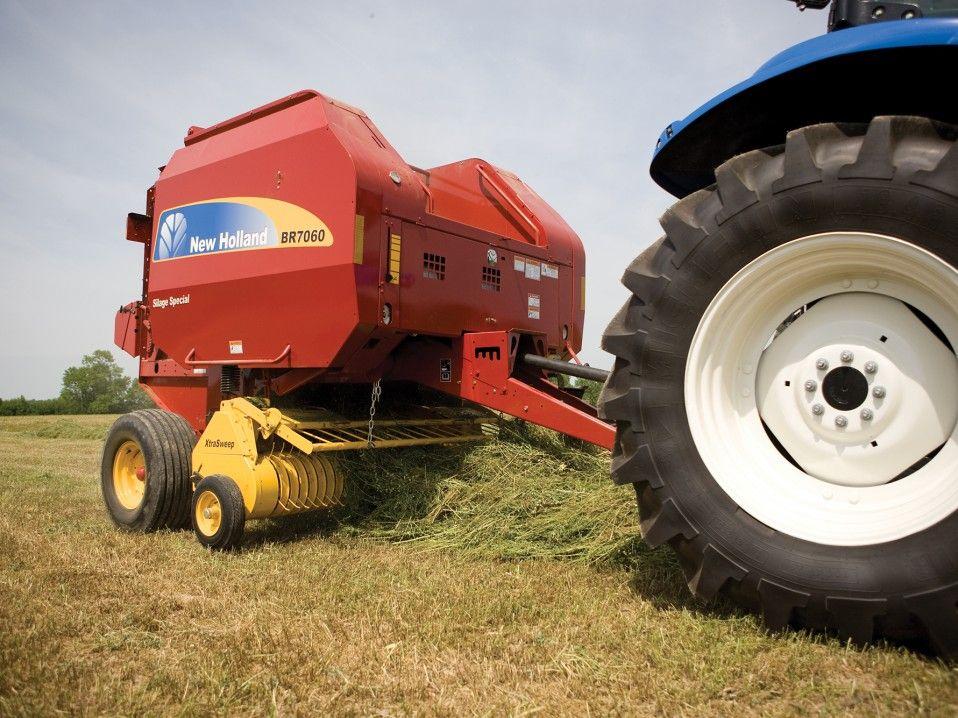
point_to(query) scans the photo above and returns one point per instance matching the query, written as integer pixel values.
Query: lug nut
(867, 415)
(821, 363)
(847, 356)
(878, 392)
(811, 385)
(841, 422)
(870, 367)
(818, 409)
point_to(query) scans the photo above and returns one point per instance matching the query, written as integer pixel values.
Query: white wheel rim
(846, 491)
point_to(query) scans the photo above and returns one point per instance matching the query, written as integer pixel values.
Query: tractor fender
(891, 68)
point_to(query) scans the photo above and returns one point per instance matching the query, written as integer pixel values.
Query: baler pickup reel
(280, 463)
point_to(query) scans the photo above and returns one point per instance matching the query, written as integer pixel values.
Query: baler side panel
(450, 286)
(249, 304)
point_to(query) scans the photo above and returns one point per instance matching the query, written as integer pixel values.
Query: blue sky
(571, 96)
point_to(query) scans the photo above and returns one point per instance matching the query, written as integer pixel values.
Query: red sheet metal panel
(294, 236)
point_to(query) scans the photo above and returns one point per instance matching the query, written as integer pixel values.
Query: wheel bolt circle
(878, 392)
(867, 414)
(818, 409)
(841, 422)
(870, 367)
(847, 356)
(811, 385)
(821, 363)
(207, 513)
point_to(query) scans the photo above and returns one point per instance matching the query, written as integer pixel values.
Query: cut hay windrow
(529, 493)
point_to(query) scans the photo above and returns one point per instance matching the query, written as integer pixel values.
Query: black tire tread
(169, 438)
(908, 150)
(233, 511)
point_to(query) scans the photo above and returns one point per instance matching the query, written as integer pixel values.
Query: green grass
(504, 578)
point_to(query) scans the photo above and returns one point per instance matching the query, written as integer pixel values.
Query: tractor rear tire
(218, 513)
(145, 470)
(776, 485)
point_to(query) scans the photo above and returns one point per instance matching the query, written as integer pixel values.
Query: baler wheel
(218, 513)
(785, 387)
(145, 470)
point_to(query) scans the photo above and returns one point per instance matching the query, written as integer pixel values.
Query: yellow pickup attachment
(268, 459)
(280, 463)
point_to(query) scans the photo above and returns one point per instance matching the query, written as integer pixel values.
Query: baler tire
(227, 531)
(896, 177)
(161, 438)
(183, 439)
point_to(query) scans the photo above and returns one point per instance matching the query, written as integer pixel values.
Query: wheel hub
(129, 475)
(888, 394)
(209, 513)
(845, 388)
(755, 392)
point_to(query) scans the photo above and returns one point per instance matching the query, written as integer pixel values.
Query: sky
(571, 96)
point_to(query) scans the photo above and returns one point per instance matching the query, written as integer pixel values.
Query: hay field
(501, 579)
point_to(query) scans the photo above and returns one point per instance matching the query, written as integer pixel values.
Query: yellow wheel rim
(209, 513)
(129, 475)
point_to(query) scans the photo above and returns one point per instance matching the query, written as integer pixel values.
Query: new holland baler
(785, 387)
(290, 251)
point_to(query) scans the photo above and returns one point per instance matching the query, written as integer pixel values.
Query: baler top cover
(276, 240)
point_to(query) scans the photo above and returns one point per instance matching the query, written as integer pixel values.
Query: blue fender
(903, 67)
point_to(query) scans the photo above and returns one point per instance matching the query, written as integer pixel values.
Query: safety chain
(377, 392)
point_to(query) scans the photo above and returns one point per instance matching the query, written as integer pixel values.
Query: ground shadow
(656, 576)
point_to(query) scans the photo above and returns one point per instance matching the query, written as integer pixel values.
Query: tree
(97, 386)
(136, 398)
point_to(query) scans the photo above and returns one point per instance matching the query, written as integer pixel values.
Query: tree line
(97, 386)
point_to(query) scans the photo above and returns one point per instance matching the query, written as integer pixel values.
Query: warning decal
(534, 306)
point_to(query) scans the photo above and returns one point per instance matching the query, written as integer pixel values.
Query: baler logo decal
(235, 224)
(172, 234)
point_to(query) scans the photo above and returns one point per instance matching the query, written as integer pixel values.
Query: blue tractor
(785, 386)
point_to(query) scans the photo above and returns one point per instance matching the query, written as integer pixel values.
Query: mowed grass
(501, 579)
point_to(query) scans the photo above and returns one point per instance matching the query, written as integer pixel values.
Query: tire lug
(818, 409)
(847, 356)
(878, 392)
(867, 415)
(811, 385)
(821, 363)
(870, 367)
(841, 422)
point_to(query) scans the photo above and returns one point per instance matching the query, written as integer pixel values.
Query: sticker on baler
(533, 270)
(519, 264)
(550, 271)
(534, 306)
(445, 370)
(236, 347)
(236, 224)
